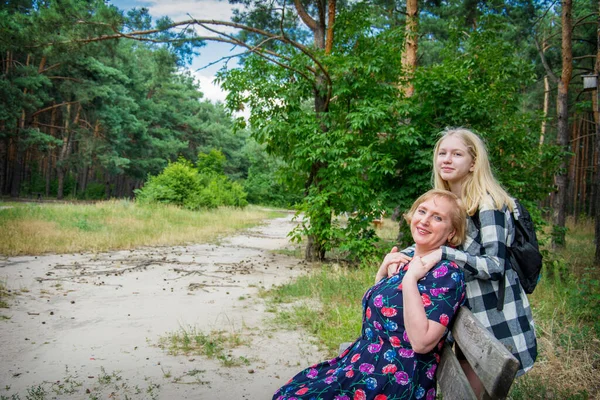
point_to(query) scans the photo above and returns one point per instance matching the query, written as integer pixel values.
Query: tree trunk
(3, 163)
(409, 57)
(546, 107)
(320, 219)
(596, 197)
(17, 165)
(61, 167)
(562, 105)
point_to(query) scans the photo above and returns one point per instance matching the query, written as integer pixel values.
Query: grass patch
(215, 345)
(316, 303)
(5, 294)
(115, 225)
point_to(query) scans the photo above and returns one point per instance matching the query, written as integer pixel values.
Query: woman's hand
(390, 264)
(420, 266)
(403, 259)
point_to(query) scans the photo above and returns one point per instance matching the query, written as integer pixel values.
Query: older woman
(405, 318)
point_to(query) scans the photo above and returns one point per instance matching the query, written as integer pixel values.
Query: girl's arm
(495, 232)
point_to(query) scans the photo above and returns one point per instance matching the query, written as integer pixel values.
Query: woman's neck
(422, 252)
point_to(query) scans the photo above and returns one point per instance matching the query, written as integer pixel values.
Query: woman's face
(431, 224)
(453, 161)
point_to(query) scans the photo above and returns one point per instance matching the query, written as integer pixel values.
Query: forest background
(345, 101)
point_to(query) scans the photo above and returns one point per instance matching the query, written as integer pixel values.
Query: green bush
(183, 185)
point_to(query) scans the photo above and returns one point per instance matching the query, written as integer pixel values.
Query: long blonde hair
(479, 184)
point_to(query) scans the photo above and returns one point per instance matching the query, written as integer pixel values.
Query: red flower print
(302, 391)
(368, 313)
(380, 397)
(400, 286)
(355, 358)
(388, 311)
(349, 374)
(389, 369)
(426, 299)
(359, 395)
(331, 371)
(444, 319)
(395, 341)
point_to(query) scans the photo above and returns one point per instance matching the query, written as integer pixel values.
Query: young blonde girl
(494, 294)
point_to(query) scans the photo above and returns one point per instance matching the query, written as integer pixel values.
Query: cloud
(181, 10)
(214, 93)
(211, 90)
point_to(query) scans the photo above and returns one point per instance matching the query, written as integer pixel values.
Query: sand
(88, 326)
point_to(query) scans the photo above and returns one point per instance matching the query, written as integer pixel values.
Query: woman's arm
(496, 229)
(423, 333)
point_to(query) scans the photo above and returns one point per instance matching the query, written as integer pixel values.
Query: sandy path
(87, 326)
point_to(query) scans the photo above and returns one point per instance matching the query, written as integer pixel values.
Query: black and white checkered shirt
(482, 257)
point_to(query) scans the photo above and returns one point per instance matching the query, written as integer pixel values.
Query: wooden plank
(491, 361)
(452, 381)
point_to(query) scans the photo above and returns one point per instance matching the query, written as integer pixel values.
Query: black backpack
(524, 253)
(525, 256)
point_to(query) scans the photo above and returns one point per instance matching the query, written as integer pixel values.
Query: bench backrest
(495, 366)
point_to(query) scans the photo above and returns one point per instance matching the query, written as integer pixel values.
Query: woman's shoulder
(446, 265)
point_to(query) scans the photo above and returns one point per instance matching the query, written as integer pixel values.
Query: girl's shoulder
(487, 202)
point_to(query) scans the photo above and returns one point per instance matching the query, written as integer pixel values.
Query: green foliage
(213, 161)
(175, 185)
(93, 191)
(183, 185)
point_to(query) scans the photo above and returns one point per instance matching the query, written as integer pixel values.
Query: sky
(179, 10)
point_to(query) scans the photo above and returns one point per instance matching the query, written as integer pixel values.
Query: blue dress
(381, 364)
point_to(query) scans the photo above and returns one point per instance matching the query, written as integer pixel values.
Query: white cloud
(214, 93)
(181, 10)
(211, 91)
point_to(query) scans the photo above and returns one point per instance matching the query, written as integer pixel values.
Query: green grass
(34, 228)
(215, 345)
(5, 294)
(316, 303)
(565, 306)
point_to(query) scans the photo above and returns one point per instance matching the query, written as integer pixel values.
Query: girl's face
(431, 224)
(453, 161)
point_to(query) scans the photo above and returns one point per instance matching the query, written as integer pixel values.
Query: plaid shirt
(482, 258)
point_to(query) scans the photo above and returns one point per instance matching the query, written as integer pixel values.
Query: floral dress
(381, 364)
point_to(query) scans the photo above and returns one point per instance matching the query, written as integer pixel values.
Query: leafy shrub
(183, 185)
(175, 185)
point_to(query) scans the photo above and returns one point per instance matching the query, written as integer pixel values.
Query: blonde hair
(458, 213)
(481, 182)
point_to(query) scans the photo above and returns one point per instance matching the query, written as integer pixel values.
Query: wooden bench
(495, 366)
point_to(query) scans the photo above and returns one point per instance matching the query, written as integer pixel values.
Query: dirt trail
(87, 325)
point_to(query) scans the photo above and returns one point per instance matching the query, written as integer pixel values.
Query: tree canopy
(97, 91)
